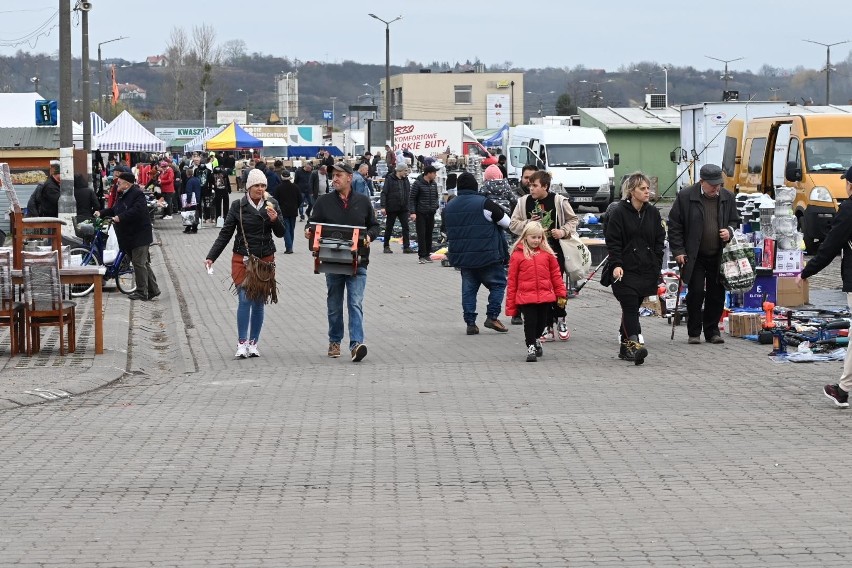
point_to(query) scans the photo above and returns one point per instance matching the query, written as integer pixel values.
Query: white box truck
(576, 157)
(702, 132)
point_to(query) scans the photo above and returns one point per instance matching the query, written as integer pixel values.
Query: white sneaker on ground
(242, 350)
(562, 330)
(167, 217)
(252, 349)
(548, 336)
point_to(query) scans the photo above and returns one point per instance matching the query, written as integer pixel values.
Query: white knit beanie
(255, 177)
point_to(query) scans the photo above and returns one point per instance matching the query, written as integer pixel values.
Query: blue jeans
(248, 312)
(492, 277)
(354, 286)
(289, 230)
(307, 199)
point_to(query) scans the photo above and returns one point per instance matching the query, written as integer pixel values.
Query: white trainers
(167, 217)
(548, 336)
(562, 330)
(242, 350)
(252, 349)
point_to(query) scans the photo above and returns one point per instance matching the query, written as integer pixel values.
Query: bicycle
(120, 267)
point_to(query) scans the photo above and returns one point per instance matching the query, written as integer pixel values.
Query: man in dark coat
(133, 228)
(702, 219)
(289, 197)
(423, 204)
(394, 203)
(84, 196)
(477, 247)
(303, 180)
(44, 202)
(837, 243)
(345, 207)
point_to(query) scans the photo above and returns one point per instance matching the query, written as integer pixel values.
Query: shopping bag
(188, 218)
(578, 259)
(184, 203)
(736, 268)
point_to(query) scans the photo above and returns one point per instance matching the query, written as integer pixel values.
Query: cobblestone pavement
(439, 449)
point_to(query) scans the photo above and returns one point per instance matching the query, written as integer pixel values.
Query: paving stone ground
(439, 449)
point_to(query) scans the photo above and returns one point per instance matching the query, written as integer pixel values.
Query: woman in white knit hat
(255, 218)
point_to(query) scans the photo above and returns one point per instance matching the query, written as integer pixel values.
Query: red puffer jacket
(534, 280)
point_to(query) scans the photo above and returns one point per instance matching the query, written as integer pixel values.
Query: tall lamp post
(387, 74)
(726, 77)
(101, 75)
(827, 47)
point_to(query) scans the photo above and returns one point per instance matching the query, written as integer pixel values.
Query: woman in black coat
(635, 238)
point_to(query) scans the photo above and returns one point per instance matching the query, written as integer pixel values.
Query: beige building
(482, 100)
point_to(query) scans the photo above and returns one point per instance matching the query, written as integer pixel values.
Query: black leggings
(629, 315)
(221, 201)
(536, 319)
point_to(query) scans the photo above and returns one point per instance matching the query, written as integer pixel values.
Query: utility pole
(827, 47)
(387, 24)
(84, 8)
(67, 206)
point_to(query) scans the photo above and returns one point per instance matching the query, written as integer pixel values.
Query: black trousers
(536, 319)
(425, 223)
(630, 303)
(221, 201)
(704, 289)
(403, 220)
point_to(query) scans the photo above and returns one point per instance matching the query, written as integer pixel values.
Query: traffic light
(46, 114)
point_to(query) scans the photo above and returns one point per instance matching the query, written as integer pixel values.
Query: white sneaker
(562, 330)
(242, 350)
(167, 217)
(252, 349)
(548, 336)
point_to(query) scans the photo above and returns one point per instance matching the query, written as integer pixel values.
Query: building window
(466, 119)
(464, 94)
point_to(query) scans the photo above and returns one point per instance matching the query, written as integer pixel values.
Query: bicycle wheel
(126, 278)
(89, 259)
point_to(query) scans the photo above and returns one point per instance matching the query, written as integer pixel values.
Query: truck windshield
(574, 155)
(828, 154)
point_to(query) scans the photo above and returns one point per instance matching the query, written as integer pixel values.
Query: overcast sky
(597, 35)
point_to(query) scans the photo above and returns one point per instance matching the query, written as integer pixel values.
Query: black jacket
(358, 212)
(87, 202)
(257, 226)
(288, 196)
(686, 223)
(424, 196)
(316, 190)
(44, 202)
(395, 193)
(635, 241)
(134, 223)
(836, 242)
(302, 178)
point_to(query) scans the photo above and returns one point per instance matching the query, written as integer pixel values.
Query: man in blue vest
(478, 247)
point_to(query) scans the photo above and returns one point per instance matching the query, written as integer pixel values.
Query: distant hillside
(255, 75)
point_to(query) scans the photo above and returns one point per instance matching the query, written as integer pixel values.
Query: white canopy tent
(125, 134)
(197, 143)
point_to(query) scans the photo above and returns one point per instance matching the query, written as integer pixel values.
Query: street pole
(388, 135)
(827, 47)
(101, 75)
(67, 206)
(724, 77)
(87, 95)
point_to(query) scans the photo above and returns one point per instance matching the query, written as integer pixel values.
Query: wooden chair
(44, 303)
(11, 312)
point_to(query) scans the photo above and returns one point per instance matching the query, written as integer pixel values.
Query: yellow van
(805, 152)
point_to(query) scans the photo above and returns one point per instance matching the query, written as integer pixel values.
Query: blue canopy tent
(496, 139)
(311, 151)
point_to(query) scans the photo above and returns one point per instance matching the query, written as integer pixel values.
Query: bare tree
(204, 44)
(176, 52)
(233, 51)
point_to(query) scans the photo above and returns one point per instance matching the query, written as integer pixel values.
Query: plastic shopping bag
(736, 268)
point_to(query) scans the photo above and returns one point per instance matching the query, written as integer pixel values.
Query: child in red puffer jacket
(535, 282)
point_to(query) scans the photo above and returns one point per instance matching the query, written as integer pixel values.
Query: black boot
(632, 350)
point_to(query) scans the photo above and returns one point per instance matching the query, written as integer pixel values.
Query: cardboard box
(763, 285)
(789, 262)
(744, 323)
(788, 294)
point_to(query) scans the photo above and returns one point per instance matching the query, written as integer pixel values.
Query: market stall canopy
(125, 134)
(232, 138)
(197, 143)
(496, 139)
(310, 151)
(98, 124)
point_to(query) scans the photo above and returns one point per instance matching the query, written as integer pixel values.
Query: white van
(576, 157)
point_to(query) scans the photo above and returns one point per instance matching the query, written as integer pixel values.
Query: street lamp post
(726, 77)
(247, 102)
(387, 75)
(828, 47)
(651, 83)
(540, 98)
(101, 75)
